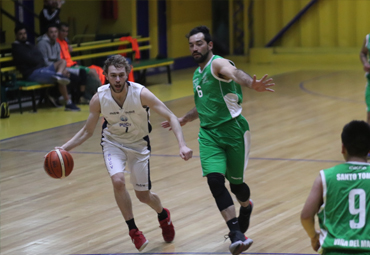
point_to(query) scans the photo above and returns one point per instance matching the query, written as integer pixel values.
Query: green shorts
(225, 149)
(81, 67)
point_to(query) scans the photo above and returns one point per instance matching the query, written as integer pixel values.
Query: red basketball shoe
(138, 239)
(168, 231)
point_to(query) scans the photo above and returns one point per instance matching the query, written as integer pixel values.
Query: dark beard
(202, 58)
(114, 89)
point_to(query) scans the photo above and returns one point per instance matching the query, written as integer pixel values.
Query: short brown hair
(117, 61)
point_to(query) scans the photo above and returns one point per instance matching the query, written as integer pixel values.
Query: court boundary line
(304, 89)
(175, 156)
(35, 132)
(196, 253)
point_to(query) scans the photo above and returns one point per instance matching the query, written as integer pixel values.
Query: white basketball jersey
(127, 125)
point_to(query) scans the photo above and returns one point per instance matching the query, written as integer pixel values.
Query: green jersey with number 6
(345, 214)
(217, 100)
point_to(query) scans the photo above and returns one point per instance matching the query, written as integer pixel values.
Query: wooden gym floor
(295, 133)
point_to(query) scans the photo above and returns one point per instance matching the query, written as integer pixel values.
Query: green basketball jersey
(217, 100)
(345, 214)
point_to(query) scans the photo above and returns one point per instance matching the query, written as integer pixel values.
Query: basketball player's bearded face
(199, 48)
(117, 78)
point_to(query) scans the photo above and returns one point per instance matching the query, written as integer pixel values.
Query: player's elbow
(87, 133)
(306, 216)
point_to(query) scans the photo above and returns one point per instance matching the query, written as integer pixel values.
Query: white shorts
(119, 158)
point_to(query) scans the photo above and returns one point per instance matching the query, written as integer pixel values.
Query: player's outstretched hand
(166, 124)
(263, 84)
(186, 153)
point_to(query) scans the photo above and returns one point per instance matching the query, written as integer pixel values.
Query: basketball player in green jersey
(224, 137)
(340, 197)
(366, 65)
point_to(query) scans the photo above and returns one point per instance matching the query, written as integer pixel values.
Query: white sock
(69, 101)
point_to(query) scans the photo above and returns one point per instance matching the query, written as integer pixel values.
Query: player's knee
(222, 196)
(216, 183)
(241, 191)
(119, 183)
(143, 196)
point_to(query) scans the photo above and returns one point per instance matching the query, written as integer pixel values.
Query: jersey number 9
(360, 211)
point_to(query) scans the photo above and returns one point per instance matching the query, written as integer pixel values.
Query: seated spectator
(93, 81)
(50, 49)
(30, 62)
(49, 14)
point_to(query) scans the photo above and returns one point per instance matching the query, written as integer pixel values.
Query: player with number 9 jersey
(345, 212)
(340, 197)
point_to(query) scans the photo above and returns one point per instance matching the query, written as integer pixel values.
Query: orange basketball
(58, 164)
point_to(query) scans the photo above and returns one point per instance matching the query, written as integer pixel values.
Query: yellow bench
(11, 83)
(138, 65)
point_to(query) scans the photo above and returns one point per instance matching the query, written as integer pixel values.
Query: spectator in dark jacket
(49, 14)
(30, 62)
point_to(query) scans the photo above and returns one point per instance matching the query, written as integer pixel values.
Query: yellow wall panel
(246, 28)
(273, 18)
(329, 23)
(153, 27)
(124, 22)
(346, 23)
(180, 22)
(7, 24)
(259, 37)
(309, 24)
(291, 38)
(328, 30)
(75, 12)
(231, 26)
(362, 17)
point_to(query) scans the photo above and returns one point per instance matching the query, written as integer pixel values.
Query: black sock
(131, 224)
(245, 210)
(233, 224)
(162, 215)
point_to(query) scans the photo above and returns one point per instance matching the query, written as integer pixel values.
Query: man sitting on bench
(30, 62)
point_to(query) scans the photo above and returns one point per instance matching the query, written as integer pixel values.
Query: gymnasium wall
(6, 23)
(182, 16)
(82, 15)
(86, 16)
(329, 24)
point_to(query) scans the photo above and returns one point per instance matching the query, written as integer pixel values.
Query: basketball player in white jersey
(125, 142)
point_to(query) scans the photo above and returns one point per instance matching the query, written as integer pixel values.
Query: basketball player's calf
(164, 216)
(239, 242)
(242, 193)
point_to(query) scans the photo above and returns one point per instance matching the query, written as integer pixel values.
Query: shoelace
(226, 237)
